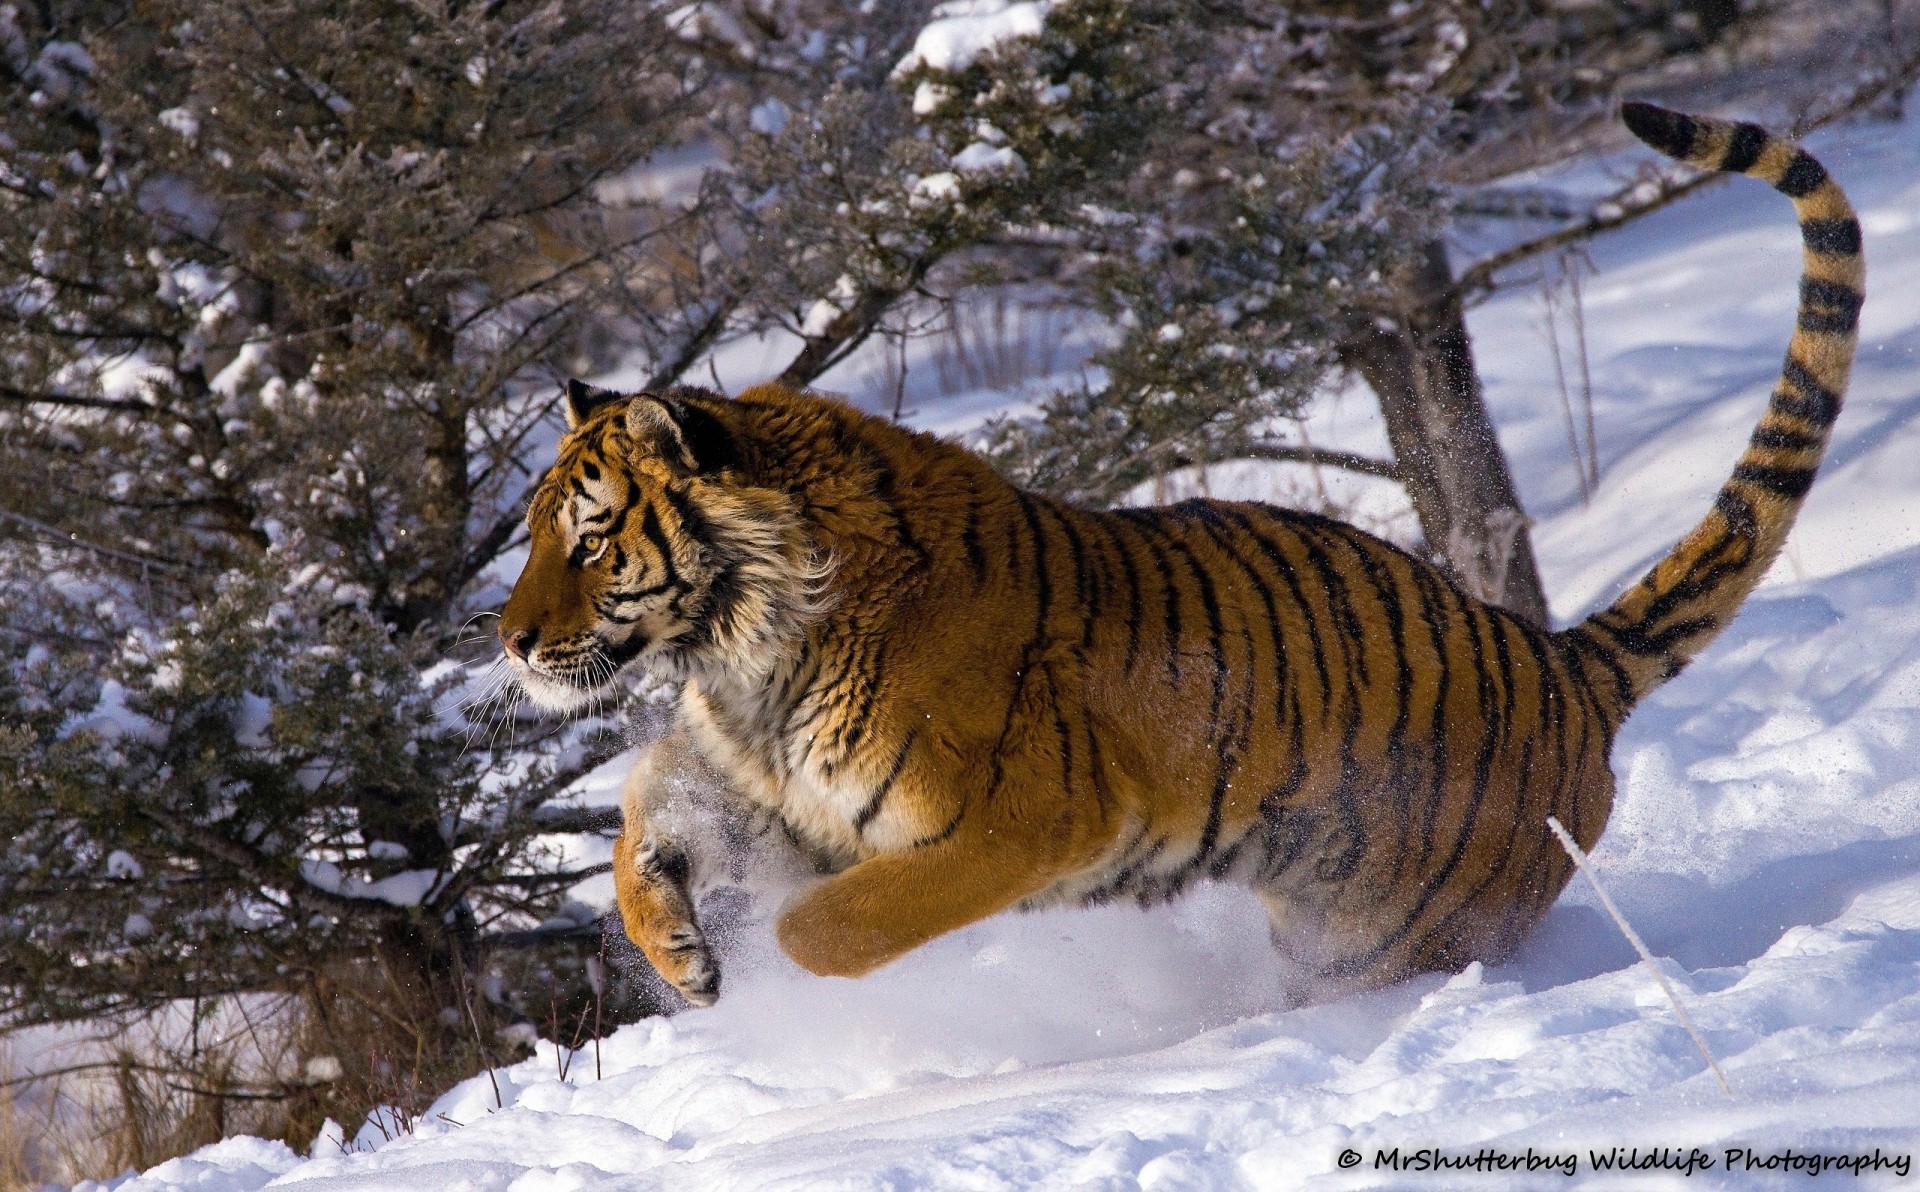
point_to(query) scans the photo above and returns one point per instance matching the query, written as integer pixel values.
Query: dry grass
(117, 1096)
(135, 1094)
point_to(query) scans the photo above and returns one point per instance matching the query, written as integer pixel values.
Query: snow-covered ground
(1767, 843)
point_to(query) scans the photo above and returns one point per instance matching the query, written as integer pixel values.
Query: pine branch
(536, 936)
(583, 820)
(27, 397)
(67, 538)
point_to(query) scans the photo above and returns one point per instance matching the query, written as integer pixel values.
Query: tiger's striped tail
(1670, 615)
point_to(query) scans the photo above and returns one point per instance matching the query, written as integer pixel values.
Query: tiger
(957, 697)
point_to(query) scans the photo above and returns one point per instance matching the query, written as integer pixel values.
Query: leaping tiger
(961, 697)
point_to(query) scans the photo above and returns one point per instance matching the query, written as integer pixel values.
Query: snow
(943, 187)
(409, 887)
(1766, 844)
(181, 121)
(769, 116)
(229, 1165)
(979, 157)
(962, 30)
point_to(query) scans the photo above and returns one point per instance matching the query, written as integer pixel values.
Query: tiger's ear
(655, 428)
(583, 399)
(688, 437)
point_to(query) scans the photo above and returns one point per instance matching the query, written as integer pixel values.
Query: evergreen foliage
(283, 288)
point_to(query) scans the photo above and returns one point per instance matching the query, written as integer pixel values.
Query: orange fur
(963, 697)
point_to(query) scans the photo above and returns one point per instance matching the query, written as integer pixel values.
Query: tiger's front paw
(687, 963)
(650, 885)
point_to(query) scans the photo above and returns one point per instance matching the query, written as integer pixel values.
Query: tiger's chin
(557, 695)
(617, 667)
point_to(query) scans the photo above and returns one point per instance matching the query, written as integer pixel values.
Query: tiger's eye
(591, 543)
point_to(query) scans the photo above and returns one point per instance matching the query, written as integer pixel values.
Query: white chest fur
(739, 737)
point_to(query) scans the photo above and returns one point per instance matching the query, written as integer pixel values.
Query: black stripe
(1837, 296)
(1803, 176)
(970, 537)
(1065, 734)
(1339, 599)
(1386, 591)
(879, 796)
(1814, 402)
(1555, 703)
(1124, 876)
(1438, 936)
(1134, 611)
(1225, 760)
(1284, 568)
(1097, 767)
(1831, 237)
(1437, 597)
(1583, 641)
(1334, 868)
(1579, 690)
(1744, 148)
(650, 530)
(1728, 555)
(1043, 597)
(1476, 794)
(1783, 439)
(1839, 322)
(953, 825)
(885, 493)
(1647, 642)
(1142, 523)
(1781, 481)
(630, 595)
(1083, 590)
(1672, 133)
(1214, 521)
(1117, 878)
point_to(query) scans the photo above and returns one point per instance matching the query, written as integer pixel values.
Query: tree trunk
(1421, 367)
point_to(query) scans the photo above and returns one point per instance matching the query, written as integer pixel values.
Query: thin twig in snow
(1633, 937)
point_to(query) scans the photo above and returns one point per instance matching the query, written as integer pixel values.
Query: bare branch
(1622, 207)
(1633, 201)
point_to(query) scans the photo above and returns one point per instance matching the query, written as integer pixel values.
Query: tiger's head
(649, 549)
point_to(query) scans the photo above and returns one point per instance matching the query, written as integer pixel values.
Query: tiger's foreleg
(654, 863)
(999, 846)
(888, 905)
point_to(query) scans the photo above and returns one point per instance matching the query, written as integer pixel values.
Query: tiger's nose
(520, 642)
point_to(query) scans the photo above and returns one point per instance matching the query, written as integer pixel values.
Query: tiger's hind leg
(1317, 949)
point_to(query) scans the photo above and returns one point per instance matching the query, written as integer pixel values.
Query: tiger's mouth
(580, 679)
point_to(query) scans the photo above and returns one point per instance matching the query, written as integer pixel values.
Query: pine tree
(284, 289)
